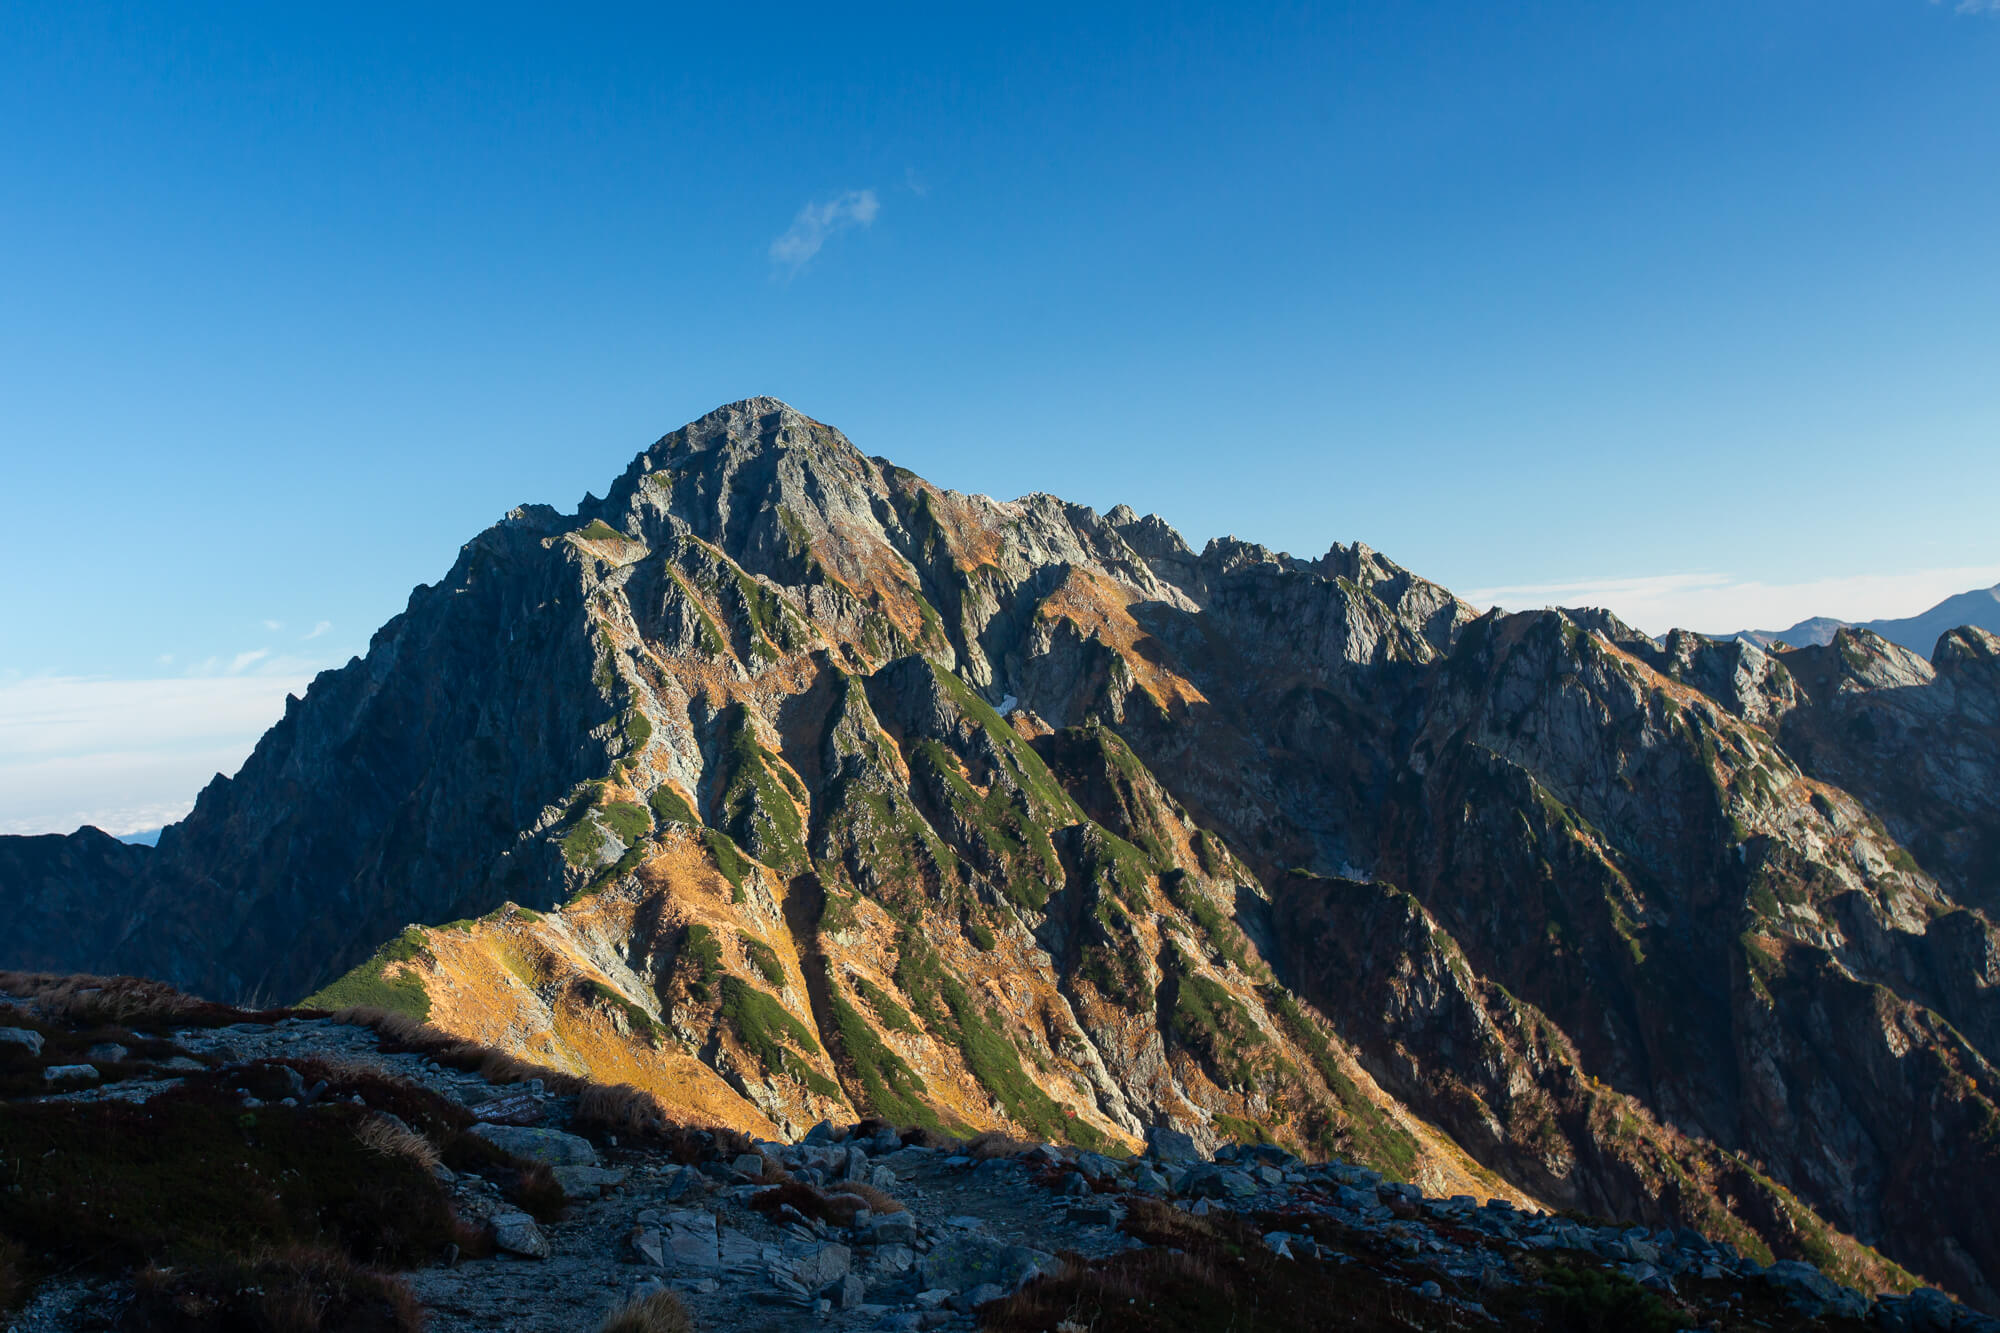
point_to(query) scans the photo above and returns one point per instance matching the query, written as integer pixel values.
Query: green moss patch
(756, 806)
(701, 958)
(669, 807)
(371, 985)
(889, 1087)
(764, 958)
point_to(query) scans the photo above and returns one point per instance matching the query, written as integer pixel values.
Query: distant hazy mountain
(1919, 633)
(143, 838)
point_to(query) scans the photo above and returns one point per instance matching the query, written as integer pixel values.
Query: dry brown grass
(136, 1002)
(620, 1108)
(402, 1032)
(660, 1312)
(379, 1135)
(868, 1194)
(295, 1291)
(994, 1143)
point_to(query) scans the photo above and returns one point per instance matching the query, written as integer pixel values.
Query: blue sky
(1688, 309)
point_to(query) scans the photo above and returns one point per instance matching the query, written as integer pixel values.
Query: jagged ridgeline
(787, 785)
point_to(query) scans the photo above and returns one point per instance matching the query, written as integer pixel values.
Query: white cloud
(241, 661)
(318, 629)
(128, 754)
(915, 183)
(1974, 6)
(816, 222)
(1725, 603)
(274, 625)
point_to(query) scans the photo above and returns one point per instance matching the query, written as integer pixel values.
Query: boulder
(26, 1039)
(1171, 1145)
(967, 1261)
(518, 1234)
(539, 1145)
(587, 1182)
(58, 1073)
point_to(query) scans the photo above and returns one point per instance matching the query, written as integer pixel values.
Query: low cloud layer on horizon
(1728, 603)
(128, 755)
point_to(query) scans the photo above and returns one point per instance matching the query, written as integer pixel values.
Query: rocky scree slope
(361, 1172)
(789, 786)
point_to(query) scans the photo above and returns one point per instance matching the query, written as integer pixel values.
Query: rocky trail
(864, 1227)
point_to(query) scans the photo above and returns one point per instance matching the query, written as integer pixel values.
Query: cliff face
(787, 784)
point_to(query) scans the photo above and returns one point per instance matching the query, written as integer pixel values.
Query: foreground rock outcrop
(437, 1184)
(789, 787)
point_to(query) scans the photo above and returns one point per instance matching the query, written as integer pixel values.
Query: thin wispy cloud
(1725, 603)
(317, 630)
(819, 222)
(274, 625)
(1972, 6)
(242, 661)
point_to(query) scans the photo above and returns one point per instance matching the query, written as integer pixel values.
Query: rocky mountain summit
(431, 1183)
(790, 788)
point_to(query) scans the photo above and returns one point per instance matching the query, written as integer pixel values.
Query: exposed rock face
(856, 795)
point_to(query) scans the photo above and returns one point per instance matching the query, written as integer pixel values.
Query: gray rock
(749, 1163)
(848, 1292)
(1171, 1145)
(821, 1264)
(893, 1259)
(964, 1262)
(647, 1246)
(518, 1234)
(25, 1038)
(107, 1052)
(539, 1145)
(933, 1298)
(587, 1182)
(57, 1073)
(889, 1229)
(968, 1301)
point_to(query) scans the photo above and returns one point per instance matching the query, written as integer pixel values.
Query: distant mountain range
(788, 786)
(1918, 633)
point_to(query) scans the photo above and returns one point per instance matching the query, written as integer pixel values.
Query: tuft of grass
(656, 1312)
(597, 530)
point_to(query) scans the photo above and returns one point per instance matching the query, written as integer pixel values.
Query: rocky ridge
(790, 787)
(865, 1227)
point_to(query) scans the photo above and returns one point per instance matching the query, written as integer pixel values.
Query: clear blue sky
(1685, 299)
